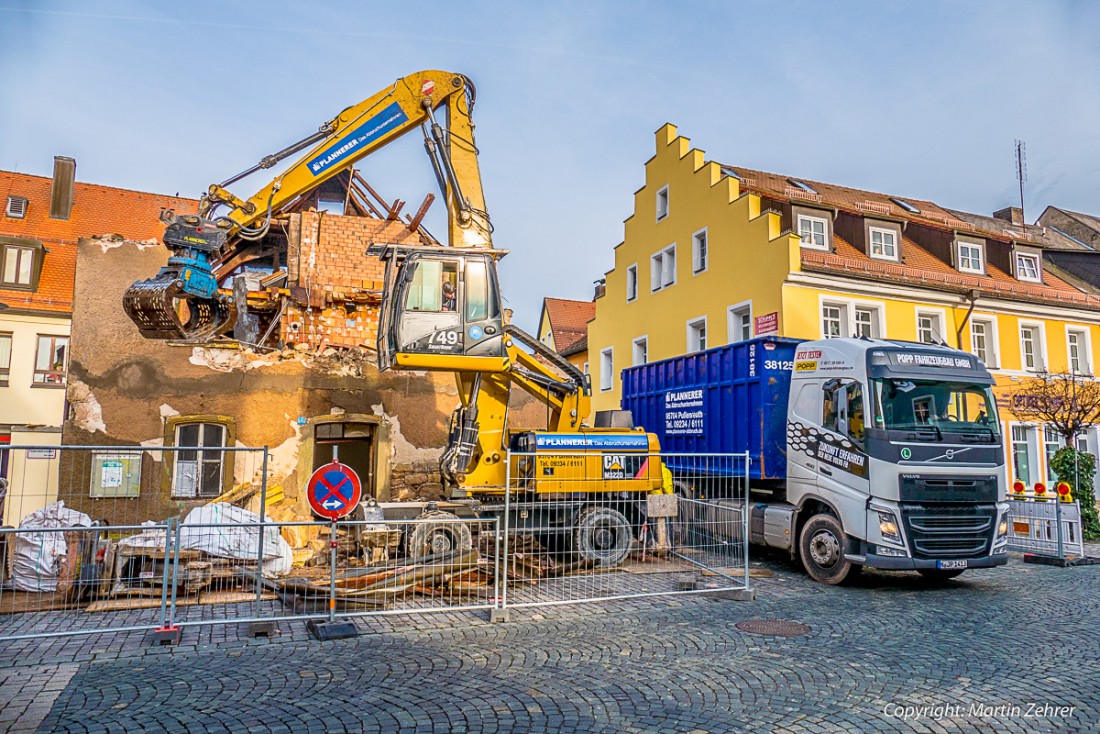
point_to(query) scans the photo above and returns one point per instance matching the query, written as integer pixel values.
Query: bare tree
(1067, 403)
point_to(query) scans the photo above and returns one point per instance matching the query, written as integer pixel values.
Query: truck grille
(949, 531)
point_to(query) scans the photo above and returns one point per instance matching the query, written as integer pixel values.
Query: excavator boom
(185, 300)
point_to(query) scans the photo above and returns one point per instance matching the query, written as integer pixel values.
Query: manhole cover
(773, 627)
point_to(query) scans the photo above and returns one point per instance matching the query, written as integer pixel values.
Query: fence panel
(314, 570)
(1033, 526)
(88, 533)
(124, 538)
(629, 532)
(72, 579)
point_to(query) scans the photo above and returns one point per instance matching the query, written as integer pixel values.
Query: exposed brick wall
(338, 279)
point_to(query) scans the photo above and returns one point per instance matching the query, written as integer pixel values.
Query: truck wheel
(603, 536)
(939, 574)
(821, 547)
(429, 538)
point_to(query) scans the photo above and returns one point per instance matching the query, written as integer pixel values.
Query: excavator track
(162, 310)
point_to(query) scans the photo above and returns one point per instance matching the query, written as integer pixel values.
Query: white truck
(863, 452)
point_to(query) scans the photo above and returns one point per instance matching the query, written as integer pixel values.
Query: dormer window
(884, 244)
(1027, 267)
(16, 207)
(814, 232)
(20, 263)
(971, 258)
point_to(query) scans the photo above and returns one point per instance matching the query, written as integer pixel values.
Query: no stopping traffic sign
(334, 490)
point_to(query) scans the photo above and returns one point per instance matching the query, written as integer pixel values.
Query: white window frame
(1031, 443)
(692, 341)
(658, 259)
(841, 319)
(631, 270)
(980, 270)
(643, 342)
(871, 232)
(607, 369)
(876, 320)
(1084, 345)
(992, 340)
(848, 307)
(1057, 442)
(695, 259)
(733, 328)
(825, 236)
(584, 368)
(8, 338)
(940, 317)
(1041, 347)
(202, 456)
(661, 203)
(1038, 267)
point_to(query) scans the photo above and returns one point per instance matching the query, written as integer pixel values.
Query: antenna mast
(1021, 172)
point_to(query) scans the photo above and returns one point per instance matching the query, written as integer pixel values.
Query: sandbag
(40, 557)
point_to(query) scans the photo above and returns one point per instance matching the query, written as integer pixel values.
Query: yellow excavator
(441, 311)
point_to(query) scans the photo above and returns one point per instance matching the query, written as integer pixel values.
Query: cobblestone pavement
(983, 649)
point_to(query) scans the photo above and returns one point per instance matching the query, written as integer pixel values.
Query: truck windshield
(954, 407)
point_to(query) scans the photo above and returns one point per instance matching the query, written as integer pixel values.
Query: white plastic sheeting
(227, 531)
(224, 531)
(39, 557)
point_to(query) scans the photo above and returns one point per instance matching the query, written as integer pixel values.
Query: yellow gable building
(716, 253)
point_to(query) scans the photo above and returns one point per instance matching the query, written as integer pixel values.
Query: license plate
(951, 564)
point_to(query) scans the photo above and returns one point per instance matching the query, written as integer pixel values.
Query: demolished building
(298, 376)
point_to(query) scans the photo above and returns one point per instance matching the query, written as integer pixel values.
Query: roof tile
(97, 210)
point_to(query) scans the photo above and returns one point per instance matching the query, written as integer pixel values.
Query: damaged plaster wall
(124, 387)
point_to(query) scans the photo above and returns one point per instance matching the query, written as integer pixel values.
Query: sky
(915, 99)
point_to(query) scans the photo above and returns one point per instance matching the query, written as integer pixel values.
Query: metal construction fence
(659, 524)
(553, 535)
(1045, 525)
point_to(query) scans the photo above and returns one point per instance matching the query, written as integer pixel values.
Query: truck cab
(895, 460)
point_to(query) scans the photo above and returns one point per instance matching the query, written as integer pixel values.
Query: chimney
(1012, 214)
(61, 192)
(601, 288)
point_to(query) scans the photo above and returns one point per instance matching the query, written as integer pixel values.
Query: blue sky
(919, 99)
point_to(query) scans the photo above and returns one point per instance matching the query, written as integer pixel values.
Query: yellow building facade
(715, 253)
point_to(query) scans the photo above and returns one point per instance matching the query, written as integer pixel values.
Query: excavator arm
(185, 301)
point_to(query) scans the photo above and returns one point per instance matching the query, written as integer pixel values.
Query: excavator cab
(442, 310)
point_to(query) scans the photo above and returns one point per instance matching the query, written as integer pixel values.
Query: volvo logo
(950, 454)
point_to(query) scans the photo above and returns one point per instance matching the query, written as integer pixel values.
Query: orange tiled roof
(865, 203)
(920, 267)
(569, 320)
(97, 210)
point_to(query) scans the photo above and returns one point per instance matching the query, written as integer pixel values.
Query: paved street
(977, 653)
